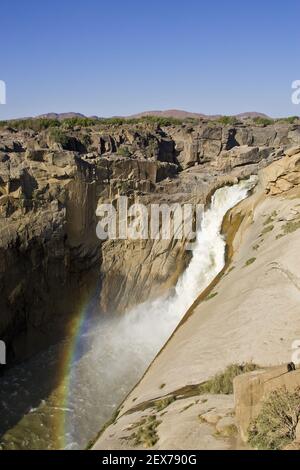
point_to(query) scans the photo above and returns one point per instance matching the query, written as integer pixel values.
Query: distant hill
(60, 116)
(173, 113)
(252, 114)
(181, 114)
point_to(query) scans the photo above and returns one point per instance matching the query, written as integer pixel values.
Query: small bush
(211, 296)
(164, 403)
(86, 140)
(146, 434)
(250, 261)
(275, 426)
(291, 226)
(58, 136)
(290, 119)
(261, 121)
(228, 120)
(223, 383)
(124, 152)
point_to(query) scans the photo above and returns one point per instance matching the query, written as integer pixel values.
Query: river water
(44, 405)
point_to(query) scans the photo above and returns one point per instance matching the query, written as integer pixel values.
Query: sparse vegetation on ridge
(39, 124)
(223, 383)
(146, 433)
(261, 121)
(289, 120)
(228, 120)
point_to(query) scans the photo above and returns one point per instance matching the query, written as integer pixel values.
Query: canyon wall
(51, 182)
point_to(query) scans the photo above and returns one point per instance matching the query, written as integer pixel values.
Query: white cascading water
(117, 350)
(149, 325)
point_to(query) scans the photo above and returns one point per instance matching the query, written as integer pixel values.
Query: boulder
(252, 388)
(211, 417)
(283, 175)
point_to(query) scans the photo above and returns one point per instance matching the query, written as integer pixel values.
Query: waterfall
(112, 352)
(124, 346)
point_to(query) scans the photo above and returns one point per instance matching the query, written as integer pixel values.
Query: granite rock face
(252, 318)
(51, 183)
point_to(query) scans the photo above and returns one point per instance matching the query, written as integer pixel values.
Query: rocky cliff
(51, 181)
(248, 315)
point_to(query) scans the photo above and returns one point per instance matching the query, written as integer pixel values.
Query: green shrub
(261, 121)
(146, 434)
(156, 120)
(34, 124)
(228, 120)
(290, 119)
(223, 383)
(86, 140)
(211, 296)
(250, 261)
(275, 426)
(124, 152)
(69, 123)
(164, 403)
(59, 136)
(162, 121)
(291, 226)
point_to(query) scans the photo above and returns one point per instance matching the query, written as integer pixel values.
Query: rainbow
(70, 354)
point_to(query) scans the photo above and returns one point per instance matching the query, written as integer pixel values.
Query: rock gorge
(51, 182)
(248, 315)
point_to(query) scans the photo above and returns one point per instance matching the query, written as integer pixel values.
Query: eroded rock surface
(50, 185)
(250, 313)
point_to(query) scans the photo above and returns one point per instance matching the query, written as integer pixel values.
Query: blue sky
(122, 57)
